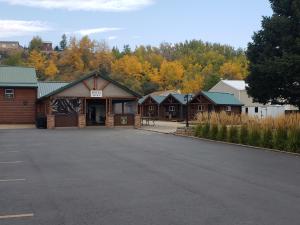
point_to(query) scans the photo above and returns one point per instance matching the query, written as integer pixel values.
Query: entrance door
(96, 113)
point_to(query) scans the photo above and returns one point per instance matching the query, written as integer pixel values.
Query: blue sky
(133, 22)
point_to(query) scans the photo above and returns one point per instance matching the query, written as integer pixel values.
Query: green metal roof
(159, 99)
(44, 88)
(11, 76)
(181, 98)
(220, 98)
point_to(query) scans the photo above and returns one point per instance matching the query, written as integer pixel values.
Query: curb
(241, 145)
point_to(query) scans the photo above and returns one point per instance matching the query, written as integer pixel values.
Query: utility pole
(186, 98)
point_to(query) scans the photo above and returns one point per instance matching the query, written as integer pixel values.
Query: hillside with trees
(188, 66)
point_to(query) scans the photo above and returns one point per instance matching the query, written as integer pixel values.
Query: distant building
(238, 89)
(9, 45)
(47, 47)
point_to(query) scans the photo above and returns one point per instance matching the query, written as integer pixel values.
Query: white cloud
(97, 30)
(112, 38)
(12, 28)
(88, 5)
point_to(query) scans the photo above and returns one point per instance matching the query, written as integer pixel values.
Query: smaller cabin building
(208, 102)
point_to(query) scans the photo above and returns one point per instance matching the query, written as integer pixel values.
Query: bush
(233, 134)
(214, 131)
(267, 138)
(280, 138)
(222, 134)
(198, 130)
(244, 134)
(254, 137)
(293, 140)
(205, 130)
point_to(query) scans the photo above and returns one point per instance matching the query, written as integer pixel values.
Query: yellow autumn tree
(51, 70)
(171, 75)
(38, 61)
(233, 70)
(193, 79)
(193, 86)
(70, 60)
(129, 71)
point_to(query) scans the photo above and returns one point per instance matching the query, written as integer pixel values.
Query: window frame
(228, 108)
(151, 108)
(172, 108)
(200, 108)
(9, 95)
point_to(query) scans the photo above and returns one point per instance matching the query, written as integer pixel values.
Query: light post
(186, 98)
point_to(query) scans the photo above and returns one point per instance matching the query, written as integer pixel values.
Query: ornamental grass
(281, 132)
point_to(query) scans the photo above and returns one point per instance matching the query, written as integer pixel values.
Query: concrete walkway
(163, 126)
(16, 126)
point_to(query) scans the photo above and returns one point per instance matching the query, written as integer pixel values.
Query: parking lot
(125, 176)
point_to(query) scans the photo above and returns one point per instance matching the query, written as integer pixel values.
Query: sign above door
(96, 93)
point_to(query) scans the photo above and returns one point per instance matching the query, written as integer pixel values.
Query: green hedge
(282, 139)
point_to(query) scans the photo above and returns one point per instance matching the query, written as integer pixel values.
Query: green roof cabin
(205, 101)
(18, 94)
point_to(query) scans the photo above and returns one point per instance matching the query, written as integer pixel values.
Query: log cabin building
(18, 94)
(174, 106)
(217, 102)
(171, 107)
(93, 100)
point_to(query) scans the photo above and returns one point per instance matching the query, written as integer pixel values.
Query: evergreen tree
(274, 56)
(36, 44)
(63, 43)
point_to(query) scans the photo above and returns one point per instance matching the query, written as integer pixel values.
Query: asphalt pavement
(135, 177)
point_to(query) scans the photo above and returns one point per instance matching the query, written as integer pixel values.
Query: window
(130, 107)
(256, 109)
(200, 108)
(151, 108)
(171, 108)
(9, 93)
(247, 110)
(228, 108)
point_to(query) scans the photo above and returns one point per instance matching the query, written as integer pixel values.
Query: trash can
(41, 122)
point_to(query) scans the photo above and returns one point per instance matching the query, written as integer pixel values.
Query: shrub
(214, 131)
(198, 130)
(293, 140)
(244, 134)
(233, 134)
(205, 130)
(254, 136)
(267, 138)
(222, 134)
(280, 138)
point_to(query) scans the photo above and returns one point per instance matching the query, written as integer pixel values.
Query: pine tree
(274, 56)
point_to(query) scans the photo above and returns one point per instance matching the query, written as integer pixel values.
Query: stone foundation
(187, 131)
(50, 121)
(81, 121)
(109, 122)
(137, 121)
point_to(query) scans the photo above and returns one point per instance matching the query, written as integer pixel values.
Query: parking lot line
(17, 216)
(12, 180)
(12, 162)
(9, 152)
